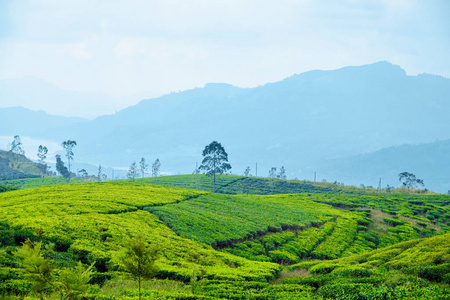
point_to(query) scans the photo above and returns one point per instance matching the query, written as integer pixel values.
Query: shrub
(323, 268)
(393, 222)
(352, 271)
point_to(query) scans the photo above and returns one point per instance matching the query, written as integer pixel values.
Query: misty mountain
(37, 94)
(25, 122)
(429, 161)
(298, 122)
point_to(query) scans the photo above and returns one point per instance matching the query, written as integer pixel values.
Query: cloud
(128, 47)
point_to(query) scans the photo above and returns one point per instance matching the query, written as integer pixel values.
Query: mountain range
(333, 122)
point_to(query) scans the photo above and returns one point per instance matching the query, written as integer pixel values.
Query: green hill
(16, 166)
(233, 184)
(218, 246)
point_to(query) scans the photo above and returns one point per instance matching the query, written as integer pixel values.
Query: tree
(132, 171)
(139, 259)
(99, 174)
(273, 175)
(83, 173)
(155, 168)
(247, 172)
(143, 166)
(215, 161)
(61, 168)
(409, 180)
(68, 146)
(273, 172)
(282, 174)
(16, 146)
(73, 282)
(42, 155)
(38, 269)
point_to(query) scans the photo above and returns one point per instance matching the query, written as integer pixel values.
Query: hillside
(15, 166)
(236, 244)
(428, 161)
(297, 122)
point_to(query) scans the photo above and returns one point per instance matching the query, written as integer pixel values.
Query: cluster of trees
(44, 276)
(138, 260)
(60, 167)
(280, 175)
(16, 146)
(215, 161)
(134, 170)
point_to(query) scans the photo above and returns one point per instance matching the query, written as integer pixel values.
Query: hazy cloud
(128, 47)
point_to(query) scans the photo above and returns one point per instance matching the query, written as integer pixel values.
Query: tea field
(228, 246)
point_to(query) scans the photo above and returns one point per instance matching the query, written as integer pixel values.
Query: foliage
(73, 282)
(143, 166)
(155, 168)
(16, 146)
(409, 180)
(139, 259)
(38, 268)
(132, 171)
(68, 146)
(61, 168)
(215, 160)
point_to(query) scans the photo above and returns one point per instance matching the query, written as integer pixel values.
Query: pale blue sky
(154, 47)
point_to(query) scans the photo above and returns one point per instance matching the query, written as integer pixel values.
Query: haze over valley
(317, 121)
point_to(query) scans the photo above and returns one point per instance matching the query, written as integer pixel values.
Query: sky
(127, 50)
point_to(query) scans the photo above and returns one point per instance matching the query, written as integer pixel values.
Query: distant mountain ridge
(298, 122)
(15, 120)
(429, 161)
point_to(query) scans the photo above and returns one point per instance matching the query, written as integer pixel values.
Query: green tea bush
(324, 268)
(352, 271)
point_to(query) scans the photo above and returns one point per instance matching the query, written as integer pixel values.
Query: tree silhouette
(409, 180)
(68, 146)
(215, 161)
(16, 146)
(132, 171)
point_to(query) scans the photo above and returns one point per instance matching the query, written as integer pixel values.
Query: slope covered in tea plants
(217, 246)
(289, 228)
(416, 269)
(233, 184)
(92, 222)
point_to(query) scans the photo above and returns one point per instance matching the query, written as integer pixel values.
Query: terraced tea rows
(250, 234)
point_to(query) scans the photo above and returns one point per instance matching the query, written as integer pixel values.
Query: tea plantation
(308, 244)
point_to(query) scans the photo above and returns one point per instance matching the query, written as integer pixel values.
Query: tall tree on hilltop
(143, 166)
(409, 180)
(282, 174)
(247, 172)
(215, 161)
(99, 174)
(155, 168)
(68, 146)
(42, 155)
(132, 171)
(16, 146)
(273, 175)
